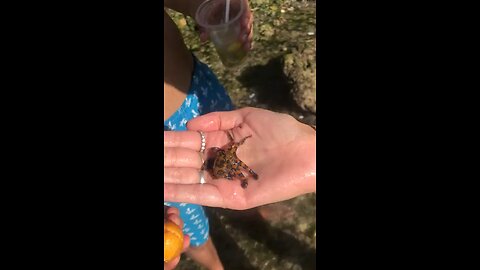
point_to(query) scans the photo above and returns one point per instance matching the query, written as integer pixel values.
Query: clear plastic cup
(225, 35)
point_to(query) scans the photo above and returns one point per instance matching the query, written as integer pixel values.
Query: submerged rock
(300, 69)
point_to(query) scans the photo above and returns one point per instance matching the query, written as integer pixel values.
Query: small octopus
(226, 164)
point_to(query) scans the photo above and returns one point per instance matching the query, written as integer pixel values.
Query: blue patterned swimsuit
(205, 95)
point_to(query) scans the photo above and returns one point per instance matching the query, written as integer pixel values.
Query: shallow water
(281, 235)
(277, 236)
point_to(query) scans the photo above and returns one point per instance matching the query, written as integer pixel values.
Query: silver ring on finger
(201, 158)
(203, 145)
(202, 177)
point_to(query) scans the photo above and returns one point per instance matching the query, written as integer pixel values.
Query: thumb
(217, 121)
(202, 33)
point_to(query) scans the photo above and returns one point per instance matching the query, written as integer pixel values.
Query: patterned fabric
(206, 95)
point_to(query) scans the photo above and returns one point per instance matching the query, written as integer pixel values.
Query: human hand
(173, 215)
(281, 151)
(246, 28)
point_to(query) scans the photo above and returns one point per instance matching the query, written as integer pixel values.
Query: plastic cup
(225, 35)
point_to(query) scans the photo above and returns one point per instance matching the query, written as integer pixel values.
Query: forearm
(187, 7)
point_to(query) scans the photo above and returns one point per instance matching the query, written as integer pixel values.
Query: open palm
(281, 151)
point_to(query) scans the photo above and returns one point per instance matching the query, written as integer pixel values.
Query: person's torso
(177, 67)
(205, 95)
(190, 87)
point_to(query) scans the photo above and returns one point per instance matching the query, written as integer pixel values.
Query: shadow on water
(250, 222)
(271, 85)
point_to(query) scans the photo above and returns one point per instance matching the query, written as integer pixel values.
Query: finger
(182, 176)
(247, 20)
(173, 210)
(218, 120)
(186, 242)
(173, 214)
(206, 194)
(175, 219)
(250, 29)
(247, 28)
(248, 45)
(250, 18)
(203, 36)
(247, 7)
(247, 35)
(232, 195)
(171, 264)
(183, 139)
(181, 158)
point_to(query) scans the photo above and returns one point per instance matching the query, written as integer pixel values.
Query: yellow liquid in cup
(224, 31)
(232, 55)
